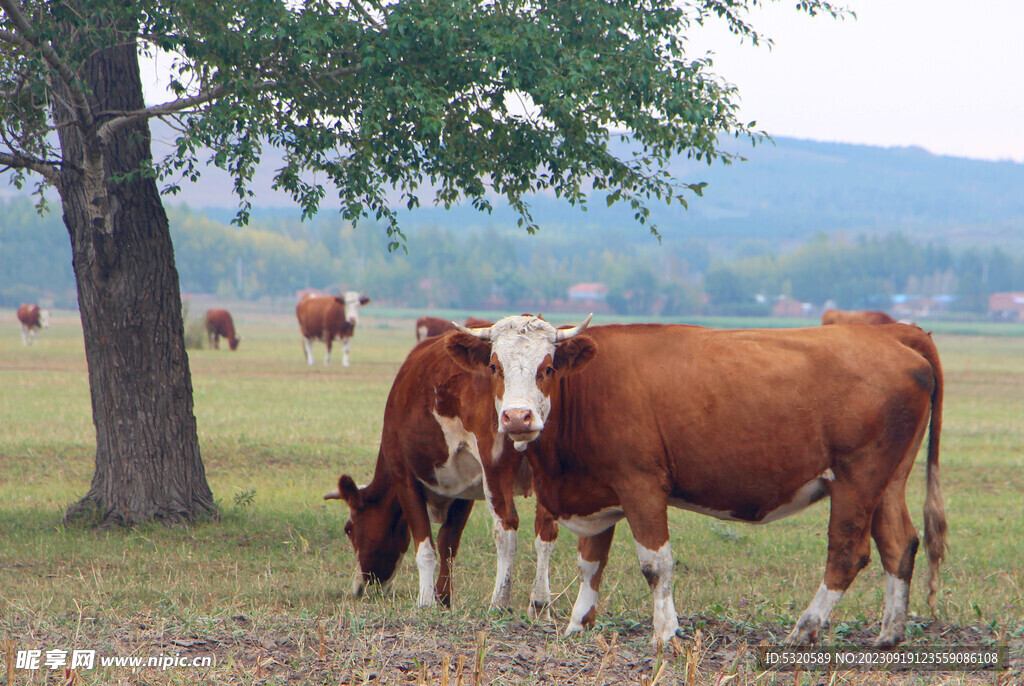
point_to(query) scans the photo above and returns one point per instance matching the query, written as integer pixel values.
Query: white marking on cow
(593, 524)
(426, 563)
(894, 614)
(521, 344)
(308, 345)
(506, 543)
(815, 617)
(540, 594)
(352, 302)
(586, 598)
(657, 567)
(462, 475)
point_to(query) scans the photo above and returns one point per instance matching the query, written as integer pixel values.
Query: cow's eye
(493, 368)
(549, 370)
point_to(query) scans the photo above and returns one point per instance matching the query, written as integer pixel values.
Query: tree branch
(182, 104)
(48, 170)
(29, 40)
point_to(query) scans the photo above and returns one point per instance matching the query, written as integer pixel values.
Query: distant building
(1006, 306)
(788, 307)
(588, 291)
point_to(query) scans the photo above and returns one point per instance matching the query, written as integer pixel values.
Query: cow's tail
(934, 505)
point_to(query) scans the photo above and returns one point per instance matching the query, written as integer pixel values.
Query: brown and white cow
(324, 317)
(32, 318)
(477, 323)
(439, 429)
(219, 323)
(746, 426)
(856, 317)
(428, 327)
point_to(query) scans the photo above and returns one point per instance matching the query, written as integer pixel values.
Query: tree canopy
(395, 103)
(384, 103)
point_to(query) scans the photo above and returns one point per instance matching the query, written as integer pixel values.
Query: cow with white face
(325, 317)
(745, 426)
(524, 358)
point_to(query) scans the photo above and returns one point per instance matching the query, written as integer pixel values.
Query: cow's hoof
(539, 612)
(887, 641)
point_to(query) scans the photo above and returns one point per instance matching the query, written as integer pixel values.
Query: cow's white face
(352, 302)
(523, 358)
(44, 318)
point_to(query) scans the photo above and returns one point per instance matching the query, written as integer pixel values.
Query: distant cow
(218, 323)
(439, 428)
(477, 323)
(428, 327)
(32, 318)
(324, 317)
(856, 317)
(751, 426)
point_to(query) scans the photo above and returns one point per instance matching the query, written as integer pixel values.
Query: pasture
(264, 590)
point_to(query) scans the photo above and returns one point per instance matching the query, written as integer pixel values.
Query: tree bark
(148, 463)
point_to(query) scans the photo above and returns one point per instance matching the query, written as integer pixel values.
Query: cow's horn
(333, 495)
(566, 334)
(483, 334)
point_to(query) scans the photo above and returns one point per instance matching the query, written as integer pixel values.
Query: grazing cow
(745, 426)
(325, 317)
(856, 317)
(439, 428)
(32, 318)
(428, 327)
(477, 323)
(219, 323)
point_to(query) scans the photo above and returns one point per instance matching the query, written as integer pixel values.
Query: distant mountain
(784, 192)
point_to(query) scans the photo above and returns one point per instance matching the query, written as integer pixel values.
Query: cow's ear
(468, 351)
(349, 492)
(364, 300)
(574, 354)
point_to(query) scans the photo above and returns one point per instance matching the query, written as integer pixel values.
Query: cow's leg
(448, 538)
(307, 344)
(327, 358)
(545, 533)
(593, 556)
(25, 335)
(345, 343)
(506, 541)
(414, 506)
(646, 507)
(499, 483)
(897, 542)
(849, 550)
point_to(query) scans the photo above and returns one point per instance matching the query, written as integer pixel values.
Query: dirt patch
(498, 649)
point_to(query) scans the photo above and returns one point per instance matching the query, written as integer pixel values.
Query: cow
(325, 317)
(219, 323)
(428, 327)
(32, 319)
(439, 429)
(477, 323)
(856, 317)
(748, 426)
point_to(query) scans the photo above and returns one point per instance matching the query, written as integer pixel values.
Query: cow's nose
(517, 421)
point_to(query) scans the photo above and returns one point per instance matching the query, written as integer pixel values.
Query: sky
(943, 75)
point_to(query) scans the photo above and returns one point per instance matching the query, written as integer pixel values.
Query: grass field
(263, 591)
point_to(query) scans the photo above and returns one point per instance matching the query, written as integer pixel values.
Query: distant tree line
(494, 268)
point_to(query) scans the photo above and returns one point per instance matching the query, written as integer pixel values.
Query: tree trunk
(148, 465)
